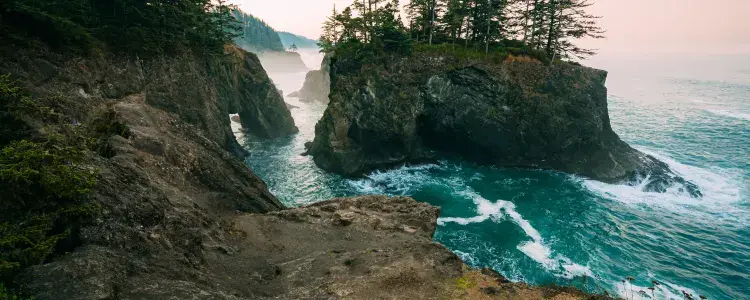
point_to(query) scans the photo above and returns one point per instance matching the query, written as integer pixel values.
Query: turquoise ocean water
(548, 227)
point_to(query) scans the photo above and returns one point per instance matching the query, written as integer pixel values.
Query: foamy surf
(535, 249)
(734, 115)
(401, 181)
(721, 192)
(665, 290)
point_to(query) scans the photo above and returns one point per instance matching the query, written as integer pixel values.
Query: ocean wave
(535, 249)
(665, 290)
(724, 113)
(407, 179)
(721, 192)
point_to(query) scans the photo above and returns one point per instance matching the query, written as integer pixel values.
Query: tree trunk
(552, 34)
(534, 22)
(487, 36)
(432, 19)
(526, 21)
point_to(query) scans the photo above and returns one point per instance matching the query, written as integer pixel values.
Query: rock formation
(180, 217)
(317, 84)
(517, 113)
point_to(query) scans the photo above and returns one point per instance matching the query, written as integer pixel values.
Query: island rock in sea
(517, 113)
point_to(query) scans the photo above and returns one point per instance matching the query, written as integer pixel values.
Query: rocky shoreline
(181, 217)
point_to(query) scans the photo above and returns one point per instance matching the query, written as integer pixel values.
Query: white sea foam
(535, 249)
(466, 257)
(731, 114)
(721, 192)
(665, 290)
(400, 181)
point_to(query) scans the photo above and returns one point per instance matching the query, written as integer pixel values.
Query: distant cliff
(518, 113)
(317, 84)
(289, 39)
(255, 35)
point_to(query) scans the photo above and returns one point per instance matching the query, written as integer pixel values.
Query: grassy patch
(466, 282)
(496, 54)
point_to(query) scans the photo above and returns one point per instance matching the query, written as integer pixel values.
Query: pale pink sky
(703, 26)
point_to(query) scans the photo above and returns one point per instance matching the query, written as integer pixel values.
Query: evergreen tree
(254, 34)
(525, 27)
(572, 22)
(424, 15)
(455, 18)
(145, 27)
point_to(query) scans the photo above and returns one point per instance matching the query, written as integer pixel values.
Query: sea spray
(721, 193)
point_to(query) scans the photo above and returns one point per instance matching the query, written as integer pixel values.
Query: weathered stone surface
(517, 113)
(259, 103)
(384, 250)
(166, 191)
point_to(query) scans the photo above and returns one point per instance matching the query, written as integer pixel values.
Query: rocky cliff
(179, 217)
(517, 113)
(167, 182)
(317, 84)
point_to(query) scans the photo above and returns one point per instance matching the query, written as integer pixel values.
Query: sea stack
(518, 112)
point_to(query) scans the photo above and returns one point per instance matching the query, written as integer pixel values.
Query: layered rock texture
(517, 113)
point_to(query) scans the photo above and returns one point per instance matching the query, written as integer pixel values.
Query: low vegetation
(45, 181)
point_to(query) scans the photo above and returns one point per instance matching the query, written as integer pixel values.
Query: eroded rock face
(253, 95)
(168, 187)
(517, 113)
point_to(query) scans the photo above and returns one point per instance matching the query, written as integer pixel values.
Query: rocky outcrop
(317, 84)
(254, 96)
(180, 217)
(168, 187)
(282, 62)
(200, 92)
(371, 247)
(517, 113)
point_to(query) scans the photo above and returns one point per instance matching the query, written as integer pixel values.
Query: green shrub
(44, 184)
(497, 54)
(103, 127)
(5, 294)
(11, 101)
